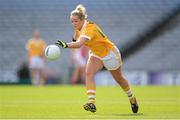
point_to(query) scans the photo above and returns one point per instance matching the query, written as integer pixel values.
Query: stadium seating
(121, 20)
(160, 55)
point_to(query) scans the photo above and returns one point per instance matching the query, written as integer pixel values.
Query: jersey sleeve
(28, 45)
(44, 44)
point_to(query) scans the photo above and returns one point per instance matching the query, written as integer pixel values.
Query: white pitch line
(80, 102)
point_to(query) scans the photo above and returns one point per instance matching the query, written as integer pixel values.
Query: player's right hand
(61, 43)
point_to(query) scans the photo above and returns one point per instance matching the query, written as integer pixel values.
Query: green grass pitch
(65, 102)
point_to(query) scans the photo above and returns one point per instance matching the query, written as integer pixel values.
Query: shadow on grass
(124, 115)
(137, 114)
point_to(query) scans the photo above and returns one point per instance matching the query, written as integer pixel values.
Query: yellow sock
(91, 96)
(129, 94)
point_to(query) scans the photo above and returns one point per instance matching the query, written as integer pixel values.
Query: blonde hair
(80, 11)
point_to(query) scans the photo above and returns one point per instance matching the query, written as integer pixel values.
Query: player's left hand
(61, 43)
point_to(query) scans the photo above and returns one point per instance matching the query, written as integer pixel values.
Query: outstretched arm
(76, 44)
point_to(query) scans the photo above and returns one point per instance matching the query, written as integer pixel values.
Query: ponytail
(80, 11)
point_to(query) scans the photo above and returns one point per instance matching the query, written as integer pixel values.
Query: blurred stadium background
(146, 31)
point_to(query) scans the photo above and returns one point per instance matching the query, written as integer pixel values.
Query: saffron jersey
(97, 42)
(35, 48)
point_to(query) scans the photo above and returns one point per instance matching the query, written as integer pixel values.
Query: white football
(52, 52)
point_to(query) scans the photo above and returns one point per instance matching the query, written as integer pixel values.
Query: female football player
(35, 47)
(102, 53)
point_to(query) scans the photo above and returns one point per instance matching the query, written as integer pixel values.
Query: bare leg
(75, 75)
(82, 74)
(117, 75)
(33, 76)
(42, 77)
(93, 66)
